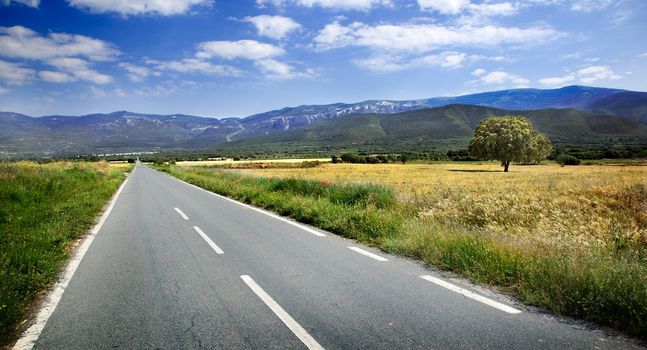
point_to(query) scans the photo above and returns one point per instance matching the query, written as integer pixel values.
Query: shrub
(567, 159)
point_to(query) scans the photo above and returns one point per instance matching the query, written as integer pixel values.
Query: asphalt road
(215, 274)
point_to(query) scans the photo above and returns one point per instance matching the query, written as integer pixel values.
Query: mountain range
(573, 114)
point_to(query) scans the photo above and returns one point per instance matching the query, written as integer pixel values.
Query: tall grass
(364, 212)
(43, 209)
(574, 243)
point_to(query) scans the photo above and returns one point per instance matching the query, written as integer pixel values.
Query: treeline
(600, 152)
(363, 158)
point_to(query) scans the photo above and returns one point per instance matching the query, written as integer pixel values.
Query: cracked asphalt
(149, 281)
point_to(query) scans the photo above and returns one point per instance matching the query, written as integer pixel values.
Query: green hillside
(438, 129)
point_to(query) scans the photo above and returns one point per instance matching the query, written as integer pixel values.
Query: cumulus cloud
(276, 70)
(15, 73)
(70, 54)
(55, 77)
(590, 5)
(194, 65)
(245, 49)
(79, 69)
(21, 42)
(478, 72)
(30, 3)
(592, 74)
(587, 75)
(455, 7)
(557, 81)
(427, 37)
(139, 7)
(500, 77)
(275, 27)
(393, 63)
(450, 7)
(330, 4)
(135, 73)
(262, 55)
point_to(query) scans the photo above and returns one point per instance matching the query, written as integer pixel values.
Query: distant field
(43, 210)
(231, 161)
(571, 239)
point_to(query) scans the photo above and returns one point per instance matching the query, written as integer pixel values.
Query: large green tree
(509, 139)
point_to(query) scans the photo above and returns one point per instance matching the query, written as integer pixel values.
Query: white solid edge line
(209, 241)
(296, 224)
(181, 213)
(472, 295)
(295, 327)
(29, 337)
(369, 254)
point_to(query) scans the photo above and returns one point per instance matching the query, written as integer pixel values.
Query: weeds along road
(175, 267)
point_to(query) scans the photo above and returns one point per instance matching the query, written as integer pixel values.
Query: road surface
(176, 267)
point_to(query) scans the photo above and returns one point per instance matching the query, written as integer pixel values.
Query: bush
(567, 159)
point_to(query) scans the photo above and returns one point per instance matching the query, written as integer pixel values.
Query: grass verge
(604, 283)
(43, 209)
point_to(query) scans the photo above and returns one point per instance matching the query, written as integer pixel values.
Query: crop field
(569, 239)
(230, 161)
(44, 209)
(548, 204)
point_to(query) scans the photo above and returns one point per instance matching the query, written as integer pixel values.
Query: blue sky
(236, 58)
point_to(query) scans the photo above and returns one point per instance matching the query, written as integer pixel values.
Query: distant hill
(579, 97)
(611, 112)
(433, 128)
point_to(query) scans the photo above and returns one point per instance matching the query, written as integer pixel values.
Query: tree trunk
(505, 166)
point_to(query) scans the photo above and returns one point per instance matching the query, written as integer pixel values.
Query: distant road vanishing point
(176, 267)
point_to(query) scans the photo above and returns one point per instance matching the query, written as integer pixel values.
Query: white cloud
(330, 4)
(586, 75)
(478, 72)
(79, 69)
(275, 27)
(498, 9)
(139, 7)
(245, 49)
(30, 3)
(393, 63)
(21, 42)
(55, 77)
(119, 92)
(448, 7)
(193, 65)
(15, 73)
(427, 37)
(274, 69)
(135, 73)
(644, 54)
(590, 5)
(455, 7)
(59, 50)
(3, 90)
(97, 92)
(592, 74)
(557, 81)
(168, 87)
(500, 78)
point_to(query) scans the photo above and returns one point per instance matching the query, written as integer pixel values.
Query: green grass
(605, 284)
(43, 209)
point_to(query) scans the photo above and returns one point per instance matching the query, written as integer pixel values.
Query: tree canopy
(509, 139)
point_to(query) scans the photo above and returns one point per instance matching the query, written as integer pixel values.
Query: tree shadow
(474, 171)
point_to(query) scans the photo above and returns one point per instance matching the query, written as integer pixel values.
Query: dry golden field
(230, 161)
(583, 205)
